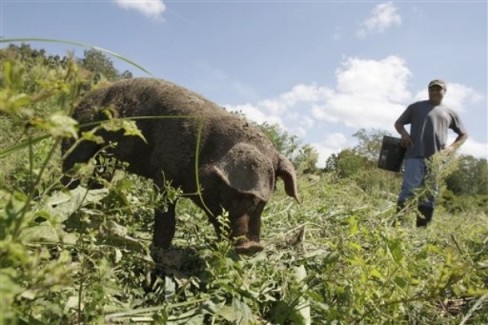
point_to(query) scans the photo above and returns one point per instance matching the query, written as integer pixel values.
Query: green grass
(84, 256)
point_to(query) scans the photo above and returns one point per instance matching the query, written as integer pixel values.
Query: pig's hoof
(249, 248)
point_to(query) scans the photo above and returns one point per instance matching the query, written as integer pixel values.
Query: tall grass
(83, 256)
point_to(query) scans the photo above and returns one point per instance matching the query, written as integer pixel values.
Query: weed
(84, 256)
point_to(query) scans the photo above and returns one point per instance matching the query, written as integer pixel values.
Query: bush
(83, 256)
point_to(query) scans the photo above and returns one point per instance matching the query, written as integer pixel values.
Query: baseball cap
(437, 82)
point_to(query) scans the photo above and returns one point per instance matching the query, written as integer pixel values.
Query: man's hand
(406, 141)
(449, 150)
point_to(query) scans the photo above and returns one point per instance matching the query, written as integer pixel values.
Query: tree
(98, 63)
(306, 159)
(362, 157)
(470, 178)
(370, 142)
(95, 61)
(347, 163)
(303, 157)
(284, 142)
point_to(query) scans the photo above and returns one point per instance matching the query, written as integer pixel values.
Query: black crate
(391, 154)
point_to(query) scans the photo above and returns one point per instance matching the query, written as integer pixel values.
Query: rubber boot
(427, 213)
(400, 206)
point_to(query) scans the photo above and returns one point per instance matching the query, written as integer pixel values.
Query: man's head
(437, 90)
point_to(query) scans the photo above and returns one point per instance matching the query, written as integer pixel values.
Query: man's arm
(406, 140)
(461, 138)
(404, 119)
(458, 127)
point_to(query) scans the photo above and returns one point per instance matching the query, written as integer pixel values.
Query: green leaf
(401, 282)
(62, 204)
(331, 258)
(28, 294)
(129, 127)
(353, 226)
(395, 249)
(13, 74)
(72, 304)
(14, 104)
(376, 274)
(118, 256)
(62, 126)
(242, 311)
(39, 233)
(8, 287)
(283, 313)
(214, 307)
(300, 273)
(114, 229)
(354, 246)
(228, 313)
(91, 136)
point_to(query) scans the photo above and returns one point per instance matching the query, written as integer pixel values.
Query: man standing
(429, 121)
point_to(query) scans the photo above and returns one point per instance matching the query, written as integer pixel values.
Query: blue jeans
(414, 177)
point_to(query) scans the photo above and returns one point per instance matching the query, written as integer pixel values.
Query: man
(429, 123)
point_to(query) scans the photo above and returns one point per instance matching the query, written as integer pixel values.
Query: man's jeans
(414, 177)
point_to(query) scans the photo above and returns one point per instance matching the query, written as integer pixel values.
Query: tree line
(93, 61)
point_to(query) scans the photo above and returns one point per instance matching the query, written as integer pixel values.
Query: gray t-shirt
(428, 130)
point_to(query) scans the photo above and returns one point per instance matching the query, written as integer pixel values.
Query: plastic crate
(391, 154)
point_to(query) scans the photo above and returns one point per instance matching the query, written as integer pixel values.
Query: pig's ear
(286, 172)
(245, 169)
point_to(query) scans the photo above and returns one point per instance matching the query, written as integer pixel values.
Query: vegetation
(83, 256)
(304, 157)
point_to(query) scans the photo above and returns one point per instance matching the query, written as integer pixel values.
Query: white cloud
(255, 114)
(307, 122)
(150, 8)
(383, 16)
(333, 143)
(474, 148)
(276, 110)
(369, 93)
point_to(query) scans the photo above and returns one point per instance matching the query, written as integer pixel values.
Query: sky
(322, 70)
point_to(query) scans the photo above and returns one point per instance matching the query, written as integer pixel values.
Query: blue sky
(320, 69)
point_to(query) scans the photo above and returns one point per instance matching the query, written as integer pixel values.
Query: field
(80, 256)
